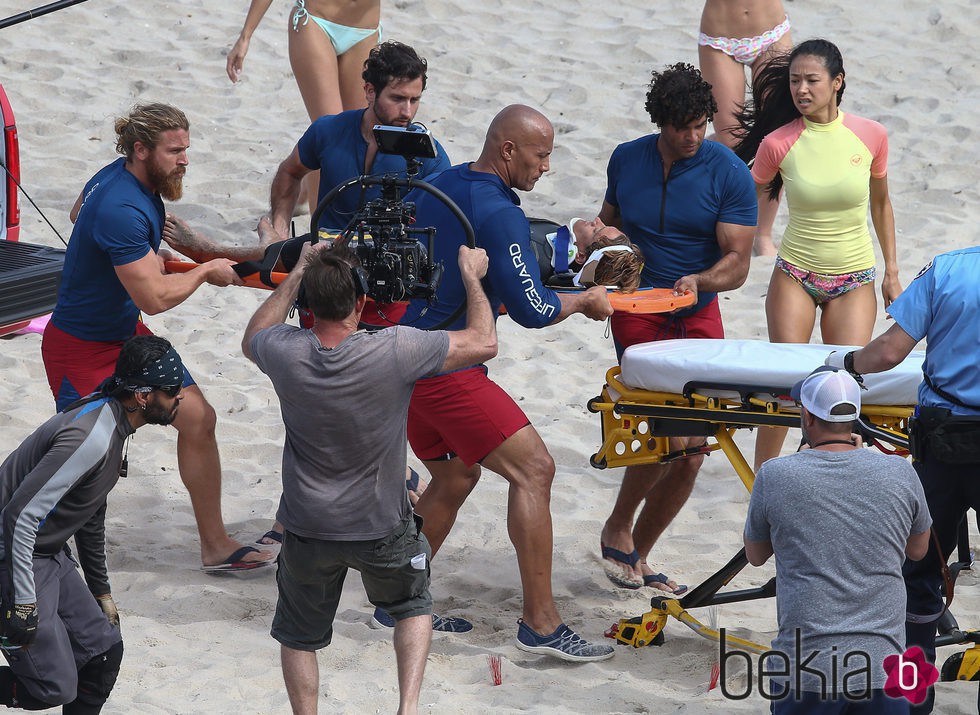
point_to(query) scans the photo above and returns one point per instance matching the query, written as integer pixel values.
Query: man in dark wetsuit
(461, 419)
(342, 146)
(62, 644)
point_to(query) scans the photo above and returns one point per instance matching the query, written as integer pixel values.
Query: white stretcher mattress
(668, 365)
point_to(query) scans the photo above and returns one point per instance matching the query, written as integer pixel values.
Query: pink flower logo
(910, 675)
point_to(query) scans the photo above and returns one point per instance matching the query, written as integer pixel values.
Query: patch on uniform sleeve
(925, 268)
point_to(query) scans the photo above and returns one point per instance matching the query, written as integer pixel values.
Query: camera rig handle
(390, 185)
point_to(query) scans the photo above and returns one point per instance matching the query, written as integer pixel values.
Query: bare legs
(200, 471)
(663, 490)
(791, 314)
(328, 84)
(413, 636)
(301, 674)
(524, 461)
(449, 484)
(200, 248)
(727, 79)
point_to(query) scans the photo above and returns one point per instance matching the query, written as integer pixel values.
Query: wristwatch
(849, 367)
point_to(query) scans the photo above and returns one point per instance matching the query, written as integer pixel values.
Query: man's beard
(157, 414)
(169, 186)
(392, 120)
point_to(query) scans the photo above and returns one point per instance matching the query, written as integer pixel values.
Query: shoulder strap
(267, 265)
(946, 396)
(562, 239)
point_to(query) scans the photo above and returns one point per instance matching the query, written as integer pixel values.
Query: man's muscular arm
(731, 269)
(154, 291)
(285, 192)
(592, 303)
(276, 307)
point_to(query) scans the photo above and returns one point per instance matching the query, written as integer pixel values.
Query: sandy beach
(200, 644)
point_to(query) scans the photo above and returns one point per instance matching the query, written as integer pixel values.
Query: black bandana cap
(165, 371)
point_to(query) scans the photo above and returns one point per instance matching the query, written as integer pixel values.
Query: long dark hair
(772, 104)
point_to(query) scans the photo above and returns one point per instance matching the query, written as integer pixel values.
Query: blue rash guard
(120, 221)
(502, 230)
(334, 145)
(674, 220)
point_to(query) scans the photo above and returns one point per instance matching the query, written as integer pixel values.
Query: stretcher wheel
(598, 463)
(962, 666)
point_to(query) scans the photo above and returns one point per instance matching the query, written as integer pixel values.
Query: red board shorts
(634, 328)
(463, 413)
(76, 367)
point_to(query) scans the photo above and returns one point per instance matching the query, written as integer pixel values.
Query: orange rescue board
(650, 300)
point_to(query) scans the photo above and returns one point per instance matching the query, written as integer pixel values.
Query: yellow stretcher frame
(636, 428)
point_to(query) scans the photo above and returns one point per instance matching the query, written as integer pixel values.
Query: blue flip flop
(272, 535)
(234, 563)
(622, 557)
(662, 578)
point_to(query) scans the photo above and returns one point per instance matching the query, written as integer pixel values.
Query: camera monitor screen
(413, 141)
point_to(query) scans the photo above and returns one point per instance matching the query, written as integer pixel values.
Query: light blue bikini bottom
(341, 37)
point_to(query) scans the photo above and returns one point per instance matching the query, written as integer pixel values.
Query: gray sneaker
(564, 643)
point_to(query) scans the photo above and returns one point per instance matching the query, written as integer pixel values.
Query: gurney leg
(724, 438)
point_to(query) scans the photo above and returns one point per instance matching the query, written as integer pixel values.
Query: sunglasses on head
(168, 390)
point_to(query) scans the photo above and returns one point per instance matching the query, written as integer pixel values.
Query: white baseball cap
(824, 389)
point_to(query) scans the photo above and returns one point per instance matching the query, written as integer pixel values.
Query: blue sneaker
(381, 619)
(564, 643)
(443, 624)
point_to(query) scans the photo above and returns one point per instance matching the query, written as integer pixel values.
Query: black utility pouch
(947, 438)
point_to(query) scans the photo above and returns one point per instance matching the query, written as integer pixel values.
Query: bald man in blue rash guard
(461, 420)
(60, 637)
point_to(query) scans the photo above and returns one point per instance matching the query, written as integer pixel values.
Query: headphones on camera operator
(395, 265)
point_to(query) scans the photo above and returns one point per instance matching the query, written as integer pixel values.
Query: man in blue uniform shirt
(114, 271)
(942, 306)
(342, 146)
(690, 205)
(461, 419)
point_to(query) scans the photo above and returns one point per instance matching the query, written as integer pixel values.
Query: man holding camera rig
(63, 645)
(342, 147)
(941, 305)
(459, 420)
(344, 503)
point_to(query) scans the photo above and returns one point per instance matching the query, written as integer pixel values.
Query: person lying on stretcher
(591, 253)
(585, 253)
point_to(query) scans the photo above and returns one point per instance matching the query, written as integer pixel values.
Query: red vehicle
(29, 274)
(10, 158)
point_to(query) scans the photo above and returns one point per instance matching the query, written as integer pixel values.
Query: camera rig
(395, 254)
